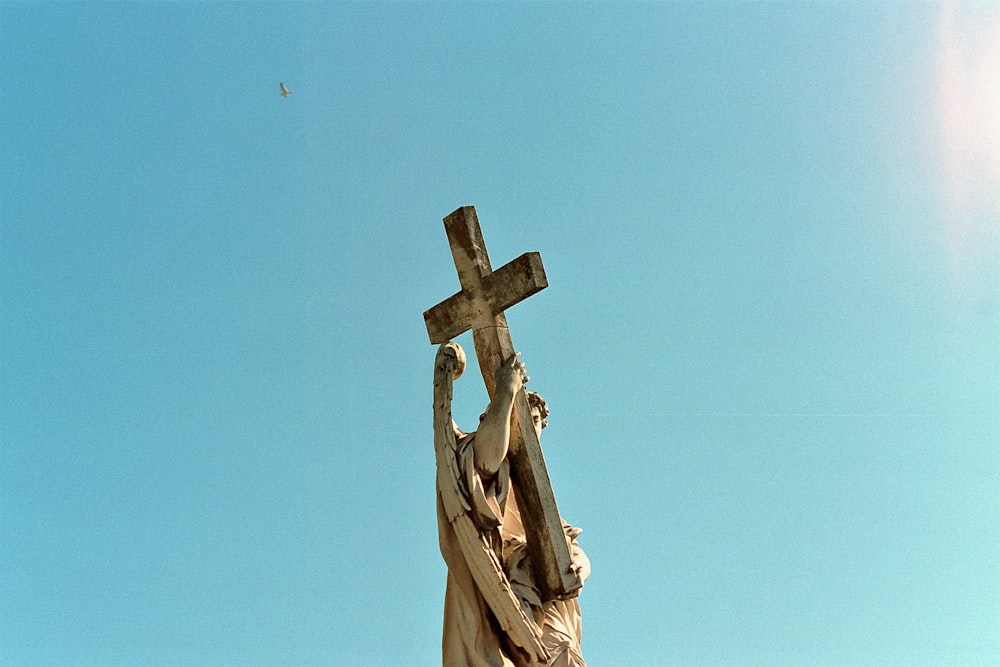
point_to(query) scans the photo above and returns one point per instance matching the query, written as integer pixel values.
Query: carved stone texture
(479, 306)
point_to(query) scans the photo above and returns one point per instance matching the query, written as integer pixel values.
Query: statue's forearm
(493, 435)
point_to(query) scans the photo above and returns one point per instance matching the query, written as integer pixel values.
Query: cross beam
(479, 306)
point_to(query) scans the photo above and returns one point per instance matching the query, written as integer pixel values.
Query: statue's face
(536, 421)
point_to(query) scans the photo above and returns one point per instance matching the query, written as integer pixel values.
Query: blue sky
(771, 341)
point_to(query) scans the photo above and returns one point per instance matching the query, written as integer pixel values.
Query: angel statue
(494, 615)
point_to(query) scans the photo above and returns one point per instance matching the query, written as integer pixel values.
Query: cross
(479, 306)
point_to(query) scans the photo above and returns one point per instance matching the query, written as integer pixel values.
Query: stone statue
(514, 566)
(496, 614)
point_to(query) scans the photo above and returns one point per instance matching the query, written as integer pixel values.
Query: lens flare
(969, 90)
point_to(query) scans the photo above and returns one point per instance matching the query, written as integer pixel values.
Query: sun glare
(969, 89)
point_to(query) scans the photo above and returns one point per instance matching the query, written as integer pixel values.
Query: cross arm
(511, 283)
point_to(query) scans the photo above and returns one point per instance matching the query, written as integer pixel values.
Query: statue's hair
(536, 401)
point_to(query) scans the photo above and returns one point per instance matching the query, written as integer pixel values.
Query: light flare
(969, 99)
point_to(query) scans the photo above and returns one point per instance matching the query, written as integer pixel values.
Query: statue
(514, 566)
(495, 614)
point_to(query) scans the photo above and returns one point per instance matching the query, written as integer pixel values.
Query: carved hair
(536, 401)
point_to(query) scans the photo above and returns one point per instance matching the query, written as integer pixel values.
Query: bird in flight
(284, 91)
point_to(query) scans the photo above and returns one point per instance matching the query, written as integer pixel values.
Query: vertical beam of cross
(479, 306)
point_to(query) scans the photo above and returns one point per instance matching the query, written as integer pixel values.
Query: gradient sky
(771, 341)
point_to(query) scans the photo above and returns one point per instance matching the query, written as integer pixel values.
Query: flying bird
(284, 91)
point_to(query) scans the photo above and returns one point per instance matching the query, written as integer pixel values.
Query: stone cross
(479, 306)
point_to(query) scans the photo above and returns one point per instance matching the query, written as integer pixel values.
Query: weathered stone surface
(479, 306)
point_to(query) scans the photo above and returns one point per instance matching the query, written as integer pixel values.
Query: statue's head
(539, 411)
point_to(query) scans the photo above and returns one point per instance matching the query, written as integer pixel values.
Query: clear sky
(771, 341)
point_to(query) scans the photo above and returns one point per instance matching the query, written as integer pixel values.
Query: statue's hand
(579, 566)
(574, 589)
(511, 375)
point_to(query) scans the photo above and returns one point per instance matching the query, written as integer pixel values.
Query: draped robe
(472, 637)
(493, 616)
